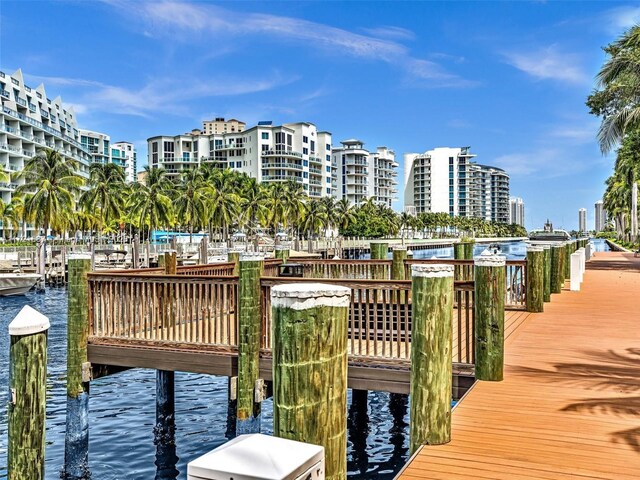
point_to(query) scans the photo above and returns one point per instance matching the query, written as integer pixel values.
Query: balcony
(44, 114)
(281, 178)
(315, 170)
(32, 107)
(314, 159)
(283, 165)
(229, 146)
(314, 182)
(281, 153)
(5, 94)
(356, 161)
(362, 173)
(8, 186)
(21, 101)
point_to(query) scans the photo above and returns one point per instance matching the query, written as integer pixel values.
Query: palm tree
(190, 203)
(105, 195)
(315, 217)
(151, 202)
(344, 213)
(252, 202)
(52, 183)
(223, 207)
(617, 101)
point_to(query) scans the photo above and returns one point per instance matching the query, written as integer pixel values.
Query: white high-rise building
(269, 153)
(582, 220)
(362, 174)
(103, 151)
(601, 216)
(30, 121)
(220, 125)
(516, 211)
(124, 154)
(446, 180)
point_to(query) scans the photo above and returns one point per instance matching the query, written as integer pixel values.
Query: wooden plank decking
(569, 406)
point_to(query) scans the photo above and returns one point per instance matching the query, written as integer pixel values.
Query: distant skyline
(507, 78)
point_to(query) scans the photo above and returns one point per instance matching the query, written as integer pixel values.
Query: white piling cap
(488, 259)
(80, 256)
(432, 270)
(281, 247)
(302, 296)
(399, 247)
(535, 248)
(28, 322)
(546, 246)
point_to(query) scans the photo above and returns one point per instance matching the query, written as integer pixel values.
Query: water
(600, 245)
(512, 250)
(122, 413)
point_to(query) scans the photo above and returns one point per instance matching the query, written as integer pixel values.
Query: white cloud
(622, 18)
(392, 32)
(549, 64)
(576, 134)
(545, 162)
(169, 96)
(188, 21)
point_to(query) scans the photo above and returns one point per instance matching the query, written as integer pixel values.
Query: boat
(17, 283)
(549, 234)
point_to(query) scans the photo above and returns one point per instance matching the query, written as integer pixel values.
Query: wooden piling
(249, 339)
(310, 347)
(282, 253)
(135, 252)
(569, 249)
(557, 279)
(27, 400)
(547, 272)
(397, 271)
(204, 251)
(535, 279)
(431, 344)
(379, 251)
(490, 289)
(164, 431)
(234, 257)
(463, 251)
(76, 440)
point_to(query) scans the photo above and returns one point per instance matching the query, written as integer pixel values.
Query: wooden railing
(347, 269)
(212, 269)
(379, 326)
(169, 308)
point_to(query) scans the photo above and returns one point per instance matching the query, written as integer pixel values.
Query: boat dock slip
(569, 405)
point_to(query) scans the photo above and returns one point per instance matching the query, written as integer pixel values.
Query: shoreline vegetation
(204, 199)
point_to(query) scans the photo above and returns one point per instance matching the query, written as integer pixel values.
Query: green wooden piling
(567, 259)
(310, 368)
(170, 262)
(282, 253)
(535, 279)
(76, 440)
(463, 251)
(490, 289)
(547, 272)
(249, 338)
(27, 401)
(431, 367)
(398, 271)
(556, 269)
(379, 251)
(234, 257)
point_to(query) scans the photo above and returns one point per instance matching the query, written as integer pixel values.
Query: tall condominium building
(446, 180)
(516, 211)
(362, 174)
(103, 151)
(220, 125)
(125, 155)
(269, 153)
(601, 216)
(30, 121)
(582, 220)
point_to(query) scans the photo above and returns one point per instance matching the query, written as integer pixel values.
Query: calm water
(122, 413)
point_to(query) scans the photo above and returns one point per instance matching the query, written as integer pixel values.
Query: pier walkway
(569, 406)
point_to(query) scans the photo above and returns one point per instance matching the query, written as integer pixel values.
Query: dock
(569, 405)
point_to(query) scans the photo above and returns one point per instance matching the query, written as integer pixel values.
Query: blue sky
(507, 78)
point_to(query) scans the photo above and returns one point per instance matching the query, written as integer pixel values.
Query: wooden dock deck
(569, 406)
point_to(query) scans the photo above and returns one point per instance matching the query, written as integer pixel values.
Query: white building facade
(582, 220)
(124, 154)
(447, 180)
(362, 174)
(103, 151)
(601, 216)
(516, 211)
(270, 153)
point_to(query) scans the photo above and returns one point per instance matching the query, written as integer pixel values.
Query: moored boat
(17, 283)
(549, 234)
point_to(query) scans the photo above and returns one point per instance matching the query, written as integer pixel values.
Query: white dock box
(259, 457)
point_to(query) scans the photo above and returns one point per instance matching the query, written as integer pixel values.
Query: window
(265, 135)
(305, 139)
(329, 169)
(328, 146)
(328, 191)
(265, 147)
(168, 147)
(328, 158)
(305, 174)
(305, 151)
(313, 146)
(305, 163)
(289, 139)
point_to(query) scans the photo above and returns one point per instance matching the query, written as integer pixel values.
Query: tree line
(207, 198)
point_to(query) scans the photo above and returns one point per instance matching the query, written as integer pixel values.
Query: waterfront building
(582, 220)
(516, 211)
(601, 216)
(30, 121)
(447, 180)
(220, 125)
(270, 153)
(103, 151)
(362, 174)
